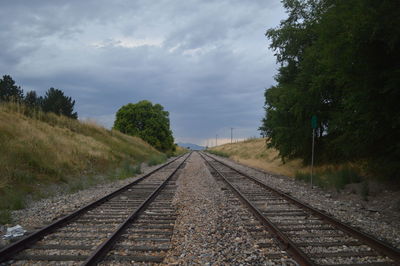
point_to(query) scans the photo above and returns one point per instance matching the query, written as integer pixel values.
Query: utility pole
(216, 140)
(231, 135)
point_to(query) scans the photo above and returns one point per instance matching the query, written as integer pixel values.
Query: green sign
(314, 121)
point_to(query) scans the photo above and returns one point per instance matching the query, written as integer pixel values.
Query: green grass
(13, 200)
(219, 153)
(127, 170)
(10, 200)
(331, 178)
(5, 216)
(157, 159)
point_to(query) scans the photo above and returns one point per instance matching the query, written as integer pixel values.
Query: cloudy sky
(207, 62)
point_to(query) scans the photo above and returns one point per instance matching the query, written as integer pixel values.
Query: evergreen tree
(32, 100)
(9, 92)
(55, 101)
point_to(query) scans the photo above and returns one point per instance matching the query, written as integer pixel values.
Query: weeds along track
(310, 236)
(132, 224)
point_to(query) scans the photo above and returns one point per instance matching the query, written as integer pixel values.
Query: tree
(147, 121)
(340, 61)
(55, 101)
(9, 92)
(32, 100)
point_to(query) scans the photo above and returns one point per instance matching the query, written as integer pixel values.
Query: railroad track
(130, 225)
(310, 236)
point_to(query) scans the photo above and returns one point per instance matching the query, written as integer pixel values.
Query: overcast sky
(207, 62)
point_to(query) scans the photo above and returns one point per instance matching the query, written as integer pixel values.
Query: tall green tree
(55, 101)
(147, 121)
(9, 91)
(339, 60)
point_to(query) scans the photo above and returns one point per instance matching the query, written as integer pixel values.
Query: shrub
(157, 159)
(5, 216)
(332, 178)
(128, 170)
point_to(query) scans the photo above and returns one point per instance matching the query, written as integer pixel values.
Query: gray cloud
(206, 62)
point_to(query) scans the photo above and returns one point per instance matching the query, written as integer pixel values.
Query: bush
(157, 159)
(332, 178)
(5, 216)
(128, 170)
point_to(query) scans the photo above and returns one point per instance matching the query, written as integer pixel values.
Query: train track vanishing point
(310, 236)
(131, 224)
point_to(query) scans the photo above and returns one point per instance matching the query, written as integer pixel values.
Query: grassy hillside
(254, 153)
(40, 149)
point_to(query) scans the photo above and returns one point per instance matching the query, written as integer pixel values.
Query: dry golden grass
(25, 140)
(180, 150)
(39, 149)
(254, 153)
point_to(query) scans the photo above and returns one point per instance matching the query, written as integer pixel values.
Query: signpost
(314, 126)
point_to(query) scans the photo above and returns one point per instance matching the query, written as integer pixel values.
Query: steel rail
(378, 244)
(107, 245)
(285, 243)
(9, 251)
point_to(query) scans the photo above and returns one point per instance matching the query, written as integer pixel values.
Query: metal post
(312, 157)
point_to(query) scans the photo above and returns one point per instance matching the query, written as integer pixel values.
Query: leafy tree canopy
(147, 121)
(9, 92)
(339, 60)
(55, 101)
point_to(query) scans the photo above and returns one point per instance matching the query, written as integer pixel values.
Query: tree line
(339, 60)
(54, 100)
(143, 119)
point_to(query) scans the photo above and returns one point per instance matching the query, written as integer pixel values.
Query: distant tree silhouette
(9, 92)
(32, 100)
(55, 101)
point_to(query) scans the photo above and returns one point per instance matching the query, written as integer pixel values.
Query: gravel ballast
(370, 217)
(43, 212)
(212, 226)
(209, 229)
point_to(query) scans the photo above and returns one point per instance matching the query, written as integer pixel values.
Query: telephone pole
(231, 134)
(216, 140)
